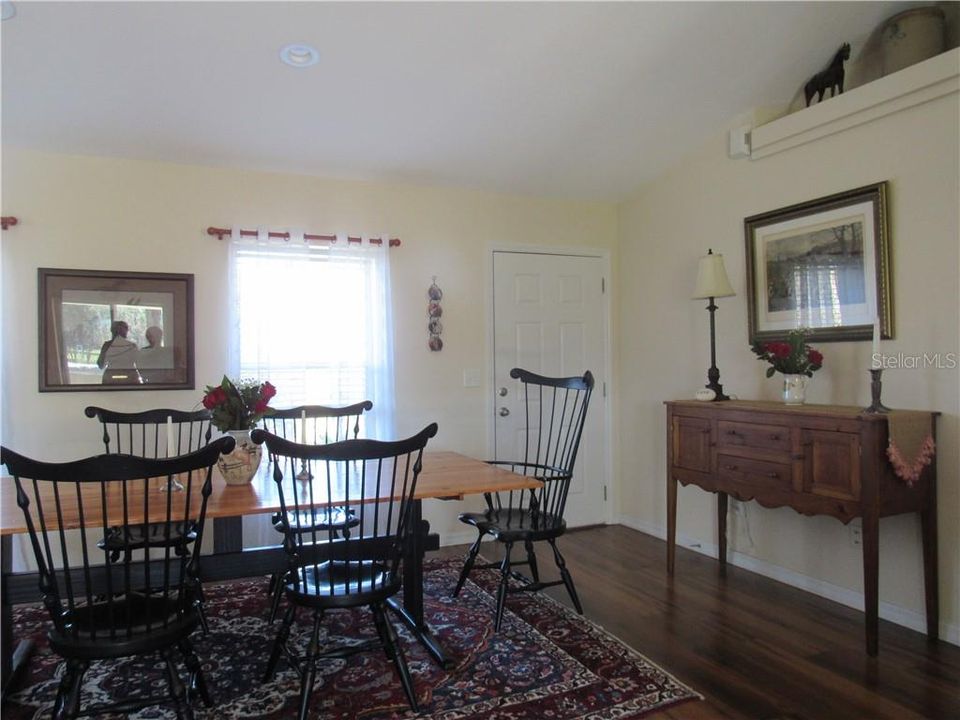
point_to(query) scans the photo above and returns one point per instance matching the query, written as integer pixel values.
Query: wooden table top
(445, 475)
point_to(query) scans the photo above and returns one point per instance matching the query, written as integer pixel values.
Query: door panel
(549, 318)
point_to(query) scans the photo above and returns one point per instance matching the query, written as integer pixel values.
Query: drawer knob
(775, 438)
(731, 467)
(773, 475)
(732, 432)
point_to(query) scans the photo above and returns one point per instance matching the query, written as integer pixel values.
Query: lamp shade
(712, 278)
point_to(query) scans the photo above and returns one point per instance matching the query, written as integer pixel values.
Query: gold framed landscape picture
(823, 265)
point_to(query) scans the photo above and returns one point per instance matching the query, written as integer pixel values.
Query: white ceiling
(579, 100)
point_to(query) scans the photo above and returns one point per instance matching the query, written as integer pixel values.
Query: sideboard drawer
(756, 473)
(753, 435)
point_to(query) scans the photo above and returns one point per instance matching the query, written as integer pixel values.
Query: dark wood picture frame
(112, 330)
(823, 265)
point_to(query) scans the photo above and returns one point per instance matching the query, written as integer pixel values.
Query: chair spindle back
(317, 424)
(89, 599)
(555, 410)
(144, 434)
(373, 479)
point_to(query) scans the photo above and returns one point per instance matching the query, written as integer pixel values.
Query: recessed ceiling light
(7, 10)
(299, 55)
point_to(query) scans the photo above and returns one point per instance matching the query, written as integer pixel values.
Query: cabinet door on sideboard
(691, 443)
(831, 466)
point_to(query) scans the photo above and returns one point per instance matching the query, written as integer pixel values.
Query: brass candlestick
(876, 385)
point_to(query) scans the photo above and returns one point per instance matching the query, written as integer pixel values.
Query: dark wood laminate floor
(755, 648)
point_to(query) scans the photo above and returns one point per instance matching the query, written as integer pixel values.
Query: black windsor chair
(314, 425)
(101, 609)
(376, 480)
(144, 434)
(556, 409)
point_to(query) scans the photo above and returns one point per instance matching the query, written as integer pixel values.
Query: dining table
(445, 475)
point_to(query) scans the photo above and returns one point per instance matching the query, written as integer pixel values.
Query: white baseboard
(949, 632)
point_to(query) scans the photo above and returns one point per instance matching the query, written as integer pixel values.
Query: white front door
(549, 318)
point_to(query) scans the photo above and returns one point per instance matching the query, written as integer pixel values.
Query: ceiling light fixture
(299, 55)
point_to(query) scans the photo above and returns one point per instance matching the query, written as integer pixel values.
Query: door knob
(502, 392)
(504, 412)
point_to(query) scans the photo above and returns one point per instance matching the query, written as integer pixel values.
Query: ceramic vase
(794, 389)
(239, 466)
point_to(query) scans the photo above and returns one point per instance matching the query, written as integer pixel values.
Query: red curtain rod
(9, 221)
(221, 232)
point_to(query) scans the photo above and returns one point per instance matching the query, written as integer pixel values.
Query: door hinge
(603, 285)
(604, 493)
(604, 388)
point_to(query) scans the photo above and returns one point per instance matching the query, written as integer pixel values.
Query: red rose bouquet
(238, 405)
(791, 356)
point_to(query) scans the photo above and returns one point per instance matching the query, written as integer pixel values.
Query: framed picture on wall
(822, 265)
(106, 330)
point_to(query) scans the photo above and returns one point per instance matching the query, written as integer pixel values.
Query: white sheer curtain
(314, 320)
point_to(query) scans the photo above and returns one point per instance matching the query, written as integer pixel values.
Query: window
(314, 319)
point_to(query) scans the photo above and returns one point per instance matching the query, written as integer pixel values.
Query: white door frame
(605, 399)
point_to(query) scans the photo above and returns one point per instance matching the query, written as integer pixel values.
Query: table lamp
(712, 282)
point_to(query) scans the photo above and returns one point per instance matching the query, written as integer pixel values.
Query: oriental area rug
(546, 662)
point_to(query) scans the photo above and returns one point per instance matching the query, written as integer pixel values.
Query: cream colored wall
(111, 214)
(665, 341)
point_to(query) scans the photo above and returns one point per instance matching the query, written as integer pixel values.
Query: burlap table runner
(911, 446)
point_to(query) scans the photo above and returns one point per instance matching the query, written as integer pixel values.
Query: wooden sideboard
(816, 459)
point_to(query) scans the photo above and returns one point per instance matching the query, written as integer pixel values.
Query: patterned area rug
(546, 662)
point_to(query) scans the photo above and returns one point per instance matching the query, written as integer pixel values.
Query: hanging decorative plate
(434, 312)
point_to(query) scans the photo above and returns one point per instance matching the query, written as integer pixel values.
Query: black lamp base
(718, 392)
(713, 374)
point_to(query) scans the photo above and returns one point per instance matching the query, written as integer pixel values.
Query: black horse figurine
(831, 78)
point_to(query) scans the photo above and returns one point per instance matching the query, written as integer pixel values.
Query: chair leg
(379, 621)
(279, 643)
(197, 683)
(177, 691)
(502, 590)
(278, 583)
(532, 560)
(467, 565)
(565, 575)
(395, 652)
(198, 604)
(310, 671)
(67, 704)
